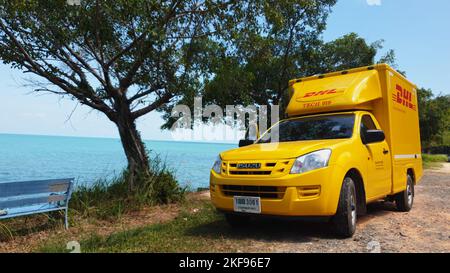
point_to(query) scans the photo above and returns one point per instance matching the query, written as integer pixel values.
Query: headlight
(311, 161)
(217, 167)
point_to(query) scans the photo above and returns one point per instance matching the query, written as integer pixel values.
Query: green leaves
(434, 117)
(141, 53)
(254, 67)
(263, 64)
(349, 51)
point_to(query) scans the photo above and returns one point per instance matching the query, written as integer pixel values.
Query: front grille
(250, 172)
(269, 192)
(265, 168)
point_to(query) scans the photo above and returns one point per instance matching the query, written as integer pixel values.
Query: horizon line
(115, 138)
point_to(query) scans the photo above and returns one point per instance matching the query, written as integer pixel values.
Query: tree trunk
(138, 163)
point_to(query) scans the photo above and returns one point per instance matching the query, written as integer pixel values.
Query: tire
(345, 219)
(237, 220)
(405, 199)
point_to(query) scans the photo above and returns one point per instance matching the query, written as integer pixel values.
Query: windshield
(312, 128)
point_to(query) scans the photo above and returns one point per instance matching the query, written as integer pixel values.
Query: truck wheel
(345, 218)
(236, 220)
(405, 199)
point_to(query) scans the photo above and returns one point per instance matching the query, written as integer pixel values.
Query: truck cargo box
(378, 89)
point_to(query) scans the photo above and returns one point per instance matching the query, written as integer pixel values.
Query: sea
(87, 160)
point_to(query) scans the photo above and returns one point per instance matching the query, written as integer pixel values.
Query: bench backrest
(24, 197)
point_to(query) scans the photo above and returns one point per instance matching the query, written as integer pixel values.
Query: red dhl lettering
(403, 97)
(320, 93)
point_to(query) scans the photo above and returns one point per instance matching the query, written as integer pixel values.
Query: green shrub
(434, 158)
(110, 199)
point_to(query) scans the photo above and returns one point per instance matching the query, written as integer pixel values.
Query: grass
(433, 161)
(197, 228)
(21, 226)
(5, 232)
(178, 235)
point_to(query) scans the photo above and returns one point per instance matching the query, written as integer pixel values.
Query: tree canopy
(434, 117)
(124, 58)
(259, 72)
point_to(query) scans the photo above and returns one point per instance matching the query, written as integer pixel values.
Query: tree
(124, 58)
(258, 73)
(350, 51)
(434, 118)
(284, 43)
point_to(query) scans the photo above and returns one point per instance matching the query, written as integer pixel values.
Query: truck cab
(352, 137)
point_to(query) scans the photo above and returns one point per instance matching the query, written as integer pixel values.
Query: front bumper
(294, 202)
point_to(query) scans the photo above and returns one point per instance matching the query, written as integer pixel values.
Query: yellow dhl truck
(351, 138)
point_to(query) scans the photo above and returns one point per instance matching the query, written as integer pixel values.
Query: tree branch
(147, 92)
(126, 49)
(157, 103)
(34, 67)
(87, 66)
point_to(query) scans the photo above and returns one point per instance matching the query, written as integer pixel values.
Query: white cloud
(373, 2)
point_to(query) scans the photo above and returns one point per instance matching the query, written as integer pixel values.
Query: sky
(418, 31)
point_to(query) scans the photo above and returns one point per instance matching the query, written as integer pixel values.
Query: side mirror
(373, 136)
(245, 142)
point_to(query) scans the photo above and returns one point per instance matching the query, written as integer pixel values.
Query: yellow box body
(378, 91)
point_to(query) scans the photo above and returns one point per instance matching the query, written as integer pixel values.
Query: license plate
(247, 204)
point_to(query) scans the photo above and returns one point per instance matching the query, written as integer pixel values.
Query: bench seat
(33, 197)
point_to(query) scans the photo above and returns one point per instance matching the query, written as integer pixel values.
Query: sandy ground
(444, 169)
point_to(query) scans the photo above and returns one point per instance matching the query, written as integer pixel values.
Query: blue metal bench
(32, 197)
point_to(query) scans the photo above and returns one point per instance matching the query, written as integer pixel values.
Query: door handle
(385, 151)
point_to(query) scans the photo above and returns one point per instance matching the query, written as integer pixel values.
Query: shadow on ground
(284, 229)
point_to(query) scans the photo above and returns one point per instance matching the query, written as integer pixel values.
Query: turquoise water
(26, 157)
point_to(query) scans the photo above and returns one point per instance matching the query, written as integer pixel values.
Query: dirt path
(424, 229)
(444, 169)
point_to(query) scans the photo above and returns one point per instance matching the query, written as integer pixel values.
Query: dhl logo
(321, 93)
(403, 97)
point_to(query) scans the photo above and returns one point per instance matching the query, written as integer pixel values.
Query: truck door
(379, 162)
